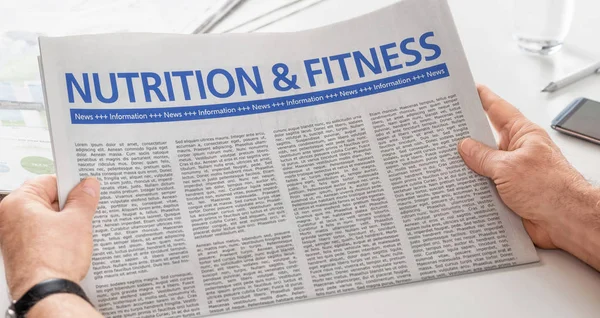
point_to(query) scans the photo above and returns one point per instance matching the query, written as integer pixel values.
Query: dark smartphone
(580, 119)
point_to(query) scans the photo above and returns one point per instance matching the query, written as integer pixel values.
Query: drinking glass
(540, 26)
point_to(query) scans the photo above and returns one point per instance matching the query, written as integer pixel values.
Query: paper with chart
(245, 170)
(25, 150)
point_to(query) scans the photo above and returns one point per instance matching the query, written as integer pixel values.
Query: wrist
(20, 284)
(575, 229)
(62, 305)
(41, 295)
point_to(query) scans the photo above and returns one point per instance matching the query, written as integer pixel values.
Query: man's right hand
(560, 209)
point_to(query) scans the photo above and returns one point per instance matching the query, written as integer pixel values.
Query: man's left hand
(40, 242)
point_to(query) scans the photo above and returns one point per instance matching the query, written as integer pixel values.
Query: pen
(274, 15)
(572, 78)
(215, 17)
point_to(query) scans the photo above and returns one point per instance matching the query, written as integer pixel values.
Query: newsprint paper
(246, 170)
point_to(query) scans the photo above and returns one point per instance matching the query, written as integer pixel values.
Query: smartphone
(580, 119)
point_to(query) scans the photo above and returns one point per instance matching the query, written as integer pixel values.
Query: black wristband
(19, 308)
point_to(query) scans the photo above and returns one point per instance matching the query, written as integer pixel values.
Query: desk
(560, 285)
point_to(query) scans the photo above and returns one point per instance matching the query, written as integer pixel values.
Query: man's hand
(38, 241)
(534, 179)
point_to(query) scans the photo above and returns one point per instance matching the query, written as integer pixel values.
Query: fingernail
(467, 145)
(91, 186)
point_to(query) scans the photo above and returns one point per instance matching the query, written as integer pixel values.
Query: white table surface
(558, 286)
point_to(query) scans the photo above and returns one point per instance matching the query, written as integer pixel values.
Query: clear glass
(542, 25)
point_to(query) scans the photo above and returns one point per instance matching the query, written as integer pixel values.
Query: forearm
(63, 305)
(577, 231)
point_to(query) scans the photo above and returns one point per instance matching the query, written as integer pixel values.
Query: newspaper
(244, 170)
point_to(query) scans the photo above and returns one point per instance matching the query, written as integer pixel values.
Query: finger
(479, 157)
(83, 199)
(43, 187)
(500, 112)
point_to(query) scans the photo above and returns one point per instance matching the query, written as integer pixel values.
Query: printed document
(25, 150)
(244, 170)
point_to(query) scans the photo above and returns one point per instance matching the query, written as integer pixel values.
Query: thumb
(479, 157)
(84, 197)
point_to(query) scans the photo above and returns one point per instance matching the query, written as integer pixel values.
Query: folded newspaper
(246, 170)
